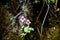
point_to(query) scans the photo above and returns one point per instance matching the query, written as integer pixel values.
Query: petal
(28, 22)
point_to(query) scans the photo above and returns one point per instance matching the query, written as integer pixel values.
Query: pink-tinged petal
(28, 22)
(22, 19)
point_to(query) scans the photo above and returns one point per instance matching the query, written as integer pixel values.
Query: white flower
(22, 19)
(28, 22)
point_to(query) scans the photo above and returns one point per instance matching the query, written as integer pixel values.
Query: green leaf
(58, 9)
(48, 1)
(26, 29)
(23, 34)
(53, 1)
(22, 27)
(13, 22)
(11, 18)
(31, 29)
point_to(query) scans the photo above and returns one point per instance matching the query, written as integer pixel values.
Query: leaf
(23, 34)
(31, 29)
(53, 1)
(48, 1)
(11, 18)
(26, 29)
(58, 9)
(13, 22)
(22, 27)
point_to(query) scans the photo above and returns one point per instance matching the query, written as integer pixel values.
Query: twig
(44, 19)
(53, 13)
(40, 11)
(56, 3)
(39, 15)
(38, 31)
(17, 15)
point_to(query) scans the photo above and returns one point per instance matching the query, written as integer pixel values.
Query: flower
(28, 22)
(22, 19)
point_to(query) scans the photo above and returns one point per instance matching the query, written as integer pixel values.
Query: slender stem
(17, 15)
(38, 17)
(40, 11)
(44, 19)
(56, 3)
(38, 31)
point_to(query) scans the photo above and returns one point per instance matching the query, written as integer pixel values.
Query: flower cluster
(25, 29)
(23, 19)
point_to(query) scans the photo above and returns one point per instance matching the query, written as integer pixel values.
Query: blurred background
(43, 14)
